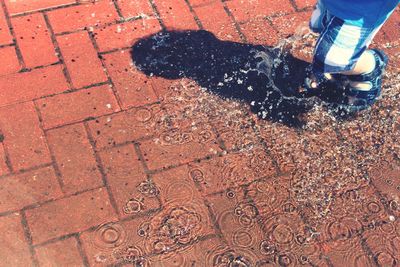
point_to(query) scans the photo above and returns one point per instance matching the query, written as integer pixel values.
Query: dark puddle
(263, 77)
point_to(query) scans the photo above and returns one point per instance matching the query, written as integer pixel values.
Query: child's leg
(318, 18)
(342, 49)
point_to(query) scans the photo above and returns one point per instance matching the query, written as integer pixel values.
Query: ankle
(366, 64)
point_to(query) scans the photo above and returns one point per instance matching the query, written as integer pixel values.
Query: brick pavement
(101, 164)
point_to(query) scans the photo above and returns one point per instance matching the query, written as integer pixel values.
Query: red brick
(134, 8)
(29, 188)
(391, 29)
(176, 15)
(244, 10)
(77, 106)
(355, 253)
(23, 137)
(176, 185)
(10, 63)
(31, 30)
(238, 221)
(291, 24)
(70, 215)
(305, 3)
(133, 87)
(127, 247)
(201, 3)
(384, 243)
(128, 182)
(258, 31)
(228, 128)
(3, 166)
(127, 126)
(177, 192)
(79, 17)
(125, 34)
(271, 195)
(61, 253)
(177, 146)
(394, 56)
(14, 250)
(5, 35)
(81, 58)
(214, 18)
(279, 140)
(75, 158)
(204, 253)
(22, 6)
(30, 85)
(379, 39)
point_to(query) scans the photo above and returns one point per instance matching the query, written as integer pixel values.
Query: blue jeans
(340, 43)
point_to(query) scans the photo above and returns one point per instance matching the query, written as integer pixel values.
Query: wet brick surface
(121, 145)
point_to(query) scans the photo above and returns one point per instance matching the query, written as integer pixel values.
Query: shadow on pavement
(263, 77)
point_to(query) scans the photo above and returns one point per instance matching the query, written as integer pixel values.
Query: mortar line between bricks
(58, 51)
(367, 250)
(370, 184)
(70, 91)
(259, 218)
(7, 157)
(270, 22)
(11, 29)
(101, 169)
(55, 240)
(214, 221)
(115, 50)
(99, 117)
(44, 10)
(52, 157)
(260, 179)
(56, 94)
(32, 69)
(28, 237)
(122, 263)
(62, 238)
(221, 142)
(36, 205)
(196, 18)
(379, 194)
(139, 154)
(100, 26)
(82, 251)
(173, 166)
(39, 67)
(22, 171)
(263, 144)
(211, 215)
(293, 2)
(235, 23)
(157, 14)
(94, 227)
(114, 90)
(118, 9)
(329, 262)
(280, 14)
(7, 45)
